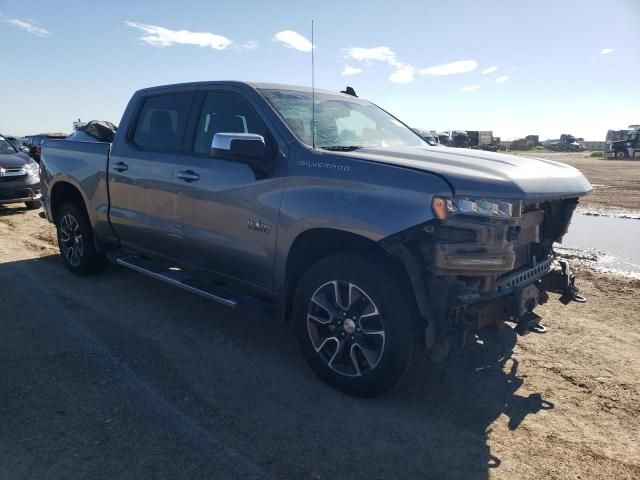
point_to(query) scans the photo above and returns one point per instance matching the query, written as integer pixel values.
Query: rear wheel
(75, 240)
(357, 324)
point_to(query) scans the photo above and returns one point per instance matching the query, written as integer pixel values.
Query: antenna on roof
(313, 92)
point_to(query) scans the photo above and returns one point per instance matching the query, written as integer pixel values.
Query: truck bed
(84, 165)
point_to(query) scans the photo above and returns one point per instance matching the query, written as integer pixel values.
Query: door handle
(188, 176)
(120, 166)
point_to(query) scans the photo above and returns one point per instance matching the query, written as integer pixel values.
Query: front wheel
(621, 154)
(32, 205)
(357, 324)
(75, 240)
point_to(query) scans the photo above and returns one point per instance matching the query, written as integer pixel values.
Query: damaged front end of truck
(483, 262)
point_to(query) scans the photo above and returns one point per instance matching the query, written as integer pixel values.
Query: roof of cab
(253, 85)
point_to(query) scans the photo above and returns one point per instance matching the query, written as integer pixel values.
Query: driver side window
(225, 112)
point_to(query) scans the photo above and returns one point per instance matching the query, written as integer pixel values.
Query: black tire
(375, 282)
(33, 205)
(621, 154)
(75, 240)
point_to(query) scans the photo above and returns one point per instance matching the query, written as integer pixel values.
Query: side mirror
(239, 145)
(24, 149)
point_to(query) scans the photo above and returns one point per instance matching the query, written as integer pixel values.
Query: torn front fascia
(405, 247)
(451, 303)
(451, 299)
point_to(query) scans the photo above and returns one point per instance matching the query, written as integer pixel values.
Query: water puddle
(609, 244)
(609, 212)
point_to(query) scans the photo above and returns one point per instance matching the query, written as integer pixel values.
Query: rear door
(228, 211)
(142, 185)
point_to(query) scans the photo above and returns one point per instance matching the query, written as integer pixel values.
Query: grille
(19, 178)
(11, 194)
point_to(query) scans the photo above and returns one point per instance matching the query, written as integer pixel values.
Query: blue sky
(569, 66)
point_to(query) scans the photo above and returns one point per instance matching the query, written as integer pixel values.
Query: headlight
(485, 207)
(32, 169)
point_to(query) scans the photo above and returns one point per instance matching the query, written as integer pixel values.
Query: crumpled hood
(488, 174)
(15, 160)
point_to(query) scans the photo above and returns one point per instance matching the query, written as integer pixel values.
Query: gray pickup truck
(375, 245)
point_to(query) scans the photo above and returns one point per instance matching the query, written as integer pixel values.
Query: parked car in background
(443, 138)
(428, 136)
(19, 176)
(373, 243)
(566, 143)
(18, 142)
(36, 141)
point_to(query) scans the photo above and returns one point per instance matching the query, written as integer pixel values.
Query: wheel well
(316, 244)
(63, 193)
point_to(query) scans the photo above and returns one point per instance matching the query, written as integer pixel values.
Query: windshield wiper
(341, 148)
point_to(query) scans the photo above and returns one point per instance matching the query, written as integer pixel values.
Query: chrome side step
(177, 278)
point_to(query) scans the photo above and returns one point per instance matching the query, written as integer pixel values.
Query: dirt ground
(616, 183)
(120, 376)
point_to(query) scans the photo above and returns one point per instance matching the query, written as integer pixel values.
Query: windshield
(341, 122)
(6, 148)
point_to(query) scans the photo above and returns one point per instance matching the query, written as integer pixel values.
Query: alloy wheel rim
(71, 240)
(345, 328)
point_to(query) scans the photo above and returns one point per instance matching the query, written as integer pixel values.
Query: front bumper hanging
(526, 290)
(562, 281)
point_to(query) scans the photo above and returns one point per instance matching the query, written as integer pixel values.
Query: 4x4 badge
(259, 226)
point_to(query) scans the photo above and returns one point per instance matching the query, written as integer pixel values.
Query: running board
(178, 279)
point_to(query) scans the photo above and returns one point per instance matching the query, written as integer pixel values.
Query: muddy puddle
(606, 243)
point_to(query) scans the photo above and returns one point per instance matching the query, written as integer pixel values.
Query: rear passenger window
(226, 112)
(162, 121)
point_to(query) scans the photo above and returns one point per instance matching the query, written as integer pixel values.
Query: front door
(228, 212)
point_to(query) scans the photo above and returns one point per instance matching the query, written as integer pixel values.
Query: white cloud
(502, 79)
(349, 70)
(403, 74)
(462, 66)
(471, 88)
(606, 51)
(249, 45)
(486, 71)
(26, 25)
(380, 54)
(291, 39)
(164, 37)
